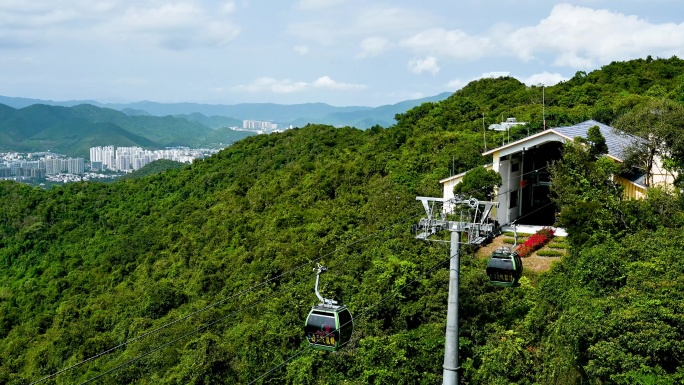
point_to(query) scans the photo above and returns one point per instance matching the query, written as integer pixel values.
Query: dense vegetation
(156, 167)
(88, 266)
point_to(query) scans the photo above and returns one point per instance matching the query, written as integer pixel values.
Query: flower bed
(535, 242)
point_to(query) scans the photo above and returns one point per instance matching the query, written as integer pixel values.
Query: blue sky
(341, 52)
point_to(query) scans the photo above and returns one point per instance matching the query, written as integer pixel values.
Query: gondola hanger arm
(325, 301)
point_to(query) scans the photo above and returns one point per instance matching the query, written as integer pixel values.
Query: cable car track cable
(368, 308)
(212, 305)
(166, 344)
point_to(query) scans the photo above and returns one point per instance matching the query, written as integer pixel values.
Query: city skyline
(41, 165)
(133, 158)
(354, 52)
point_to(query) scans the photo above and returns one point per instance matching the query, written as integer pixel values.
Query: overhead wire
(509, 179)
(164, 345)
(359, 315)
(212, 305)
(165, 326)
(394, 293)
(204, 327)
(251, 288)
(207, 325)
(532, 212)
(411, 219)
(527, 173)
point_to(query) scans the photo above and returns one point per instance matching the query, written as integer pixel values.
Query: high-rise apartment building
(54, 166)
(132, 158)
(104, 154)
(258, 125)
(75, 165)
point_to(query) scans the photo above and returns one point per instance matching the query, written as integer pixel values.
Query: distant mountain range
(72, 127)
(218, 115)
(73, 130)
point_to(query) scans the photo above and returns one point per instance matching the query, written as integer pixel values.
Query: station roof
(616, 140)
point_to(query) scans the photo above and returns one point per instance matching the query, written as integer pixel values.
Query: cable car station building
(523, 168)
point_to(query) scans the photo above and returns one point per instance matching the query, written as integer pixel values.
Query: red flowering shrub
(535, 242)
(524, 250)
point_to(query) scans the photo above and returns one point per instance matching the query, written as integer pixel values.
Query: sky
(340, 52)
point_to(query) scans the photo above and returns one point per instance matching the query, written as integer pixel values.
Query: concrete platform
(528, 229)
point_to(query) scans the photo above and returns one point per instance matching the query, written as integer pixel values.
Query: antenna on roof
(506, 127)
(544, 106)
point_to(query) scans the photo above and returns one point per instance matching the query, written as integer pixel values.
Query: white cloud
(545, 78)
(456, 84)
(228, 8)
(43, 14)
(174, 25)
(319, 31)
(177, 26)
(327, 82)
(286, 86)
(27, 23)
(382, 20)
(429, 64)
(574, 36)
(368, 21)
(454, 43)
(373, 46)
(582, 37)
(318, 4)
(302, 49)
(35, 18)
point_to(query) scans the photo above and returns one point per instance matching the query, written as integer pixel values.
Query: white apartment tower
(258, 125)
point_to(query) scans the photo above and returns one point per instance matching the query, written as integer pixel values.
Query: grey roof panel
(616, 140)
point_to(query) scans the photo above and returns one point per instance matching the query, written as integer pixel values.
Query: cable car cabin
(329, 327)
(504, 267)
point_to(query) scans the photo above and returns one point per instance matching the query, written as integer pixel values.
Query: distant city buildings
(258, 125)
(103, 156)
(35, 166)
(133, 158)
(30, 167)
(68, 165)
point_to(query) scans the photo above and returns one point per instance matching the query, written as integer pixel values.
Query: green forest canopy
(88, 266)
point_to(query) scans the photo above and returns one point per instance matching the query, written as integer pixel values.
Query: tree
(583, 188)
(597, 142)
(478, 183)
(659, 123)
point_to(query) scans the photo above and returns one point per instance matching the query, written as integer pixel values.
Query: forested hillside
(89, 266)
(152, 168)
(73, 130)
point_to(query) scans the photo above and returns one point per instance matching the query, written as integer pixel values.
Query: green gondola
(504, 267)
(328, 326)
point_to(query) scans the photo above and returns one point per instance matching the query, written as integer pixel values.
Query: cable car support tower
(477, 230)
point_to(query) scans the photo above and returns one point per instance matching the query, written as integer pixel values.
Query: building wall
(662, 177)
(449, 184)
(632, 191)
